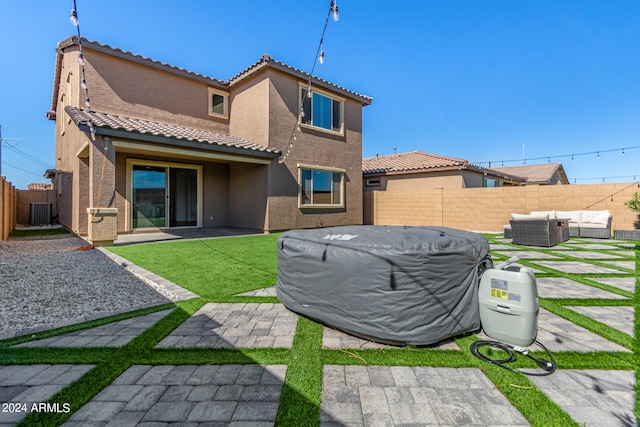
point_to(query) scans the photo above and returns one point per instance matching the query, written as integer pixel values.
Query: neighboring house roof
(409, 162)
(418, 161)
(37, 186)
(266, 60)
(538, 174)
(126, 127)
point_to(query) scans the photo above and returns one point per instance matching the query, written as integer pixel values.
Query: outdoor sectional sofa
(582, 223)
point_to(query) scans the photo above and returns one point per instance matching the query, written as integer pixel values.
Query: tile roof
(540, 173)
(418, 161)
(409, 162)
(173, 132)
(38, 186)
(267, 60)
(105, 48)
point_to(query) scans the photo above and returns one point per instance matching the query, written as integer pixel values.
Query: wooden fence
(8, 208)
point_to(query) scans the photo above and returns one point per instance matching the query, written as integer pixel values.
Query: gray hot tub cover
(395, 285)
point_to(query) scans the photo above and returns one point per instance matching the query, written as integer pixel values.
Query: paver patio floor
(352, 394)
(620, 318)
(593, 398)
(399, 395)
(236, 326)
(561, 287)
(116, 334)
(624, 283)
(187, 394)
(33, 384)
(577, 267)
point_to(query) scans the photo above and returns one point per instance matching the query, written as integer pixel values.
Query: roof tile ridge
(266, 59)
(86, 42)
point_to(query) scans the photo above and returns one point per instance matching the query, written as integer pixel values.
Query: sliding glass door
(184, 197)
(164, 196)
(149, 196)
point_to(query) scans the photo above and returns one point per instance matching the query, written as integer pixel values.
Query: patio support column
(102, 213)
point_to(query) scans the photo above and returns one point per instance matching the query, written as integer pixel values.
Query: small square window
(218, 103)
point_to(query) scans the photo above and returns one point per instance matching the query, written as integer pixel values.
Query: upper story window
(321, 188)
(322, 111)
(218, 103)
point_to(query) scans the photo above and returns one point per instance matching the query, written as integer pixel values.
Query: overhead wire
(319, 57)
(623, 150)
(83, 85)
(28, 156)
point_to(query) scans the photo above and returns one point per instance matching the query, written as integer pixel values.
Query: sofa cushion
(521, 217)
(550, 214)
(600, 217)
(586, 216)
(572, 216)
(592, 225)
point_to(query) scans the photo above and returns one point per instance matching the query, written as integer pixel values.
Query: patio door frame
(129, 214)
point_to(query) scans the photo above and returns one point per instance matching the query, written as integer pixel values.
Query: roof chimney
(395, 150)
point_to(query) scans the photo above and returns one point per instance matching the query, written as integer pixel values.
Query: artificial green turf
(39, 232)
(215, 269)
(218, 269)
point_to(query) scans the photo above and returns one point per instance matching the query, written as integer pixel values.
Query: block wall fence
(488, 209)
(8, 208)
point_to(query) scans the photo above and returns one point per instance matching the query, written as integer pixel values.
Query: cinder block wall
(26, 197)
(488, 209)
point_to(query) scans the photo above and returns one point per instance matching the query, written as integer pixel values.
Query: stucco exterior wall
(488, 209)
(248, 196)
(262, 109)
(313, 148)
(249, 113)
(130, 89)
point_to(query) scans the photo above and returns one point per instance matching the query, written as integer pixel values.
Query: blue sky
(469, 78)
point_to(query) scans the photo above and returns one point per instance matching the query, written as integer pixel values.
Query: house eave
(174, 142)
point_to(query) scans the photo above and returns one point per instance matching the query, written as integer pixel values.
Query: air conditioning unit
(39, 213)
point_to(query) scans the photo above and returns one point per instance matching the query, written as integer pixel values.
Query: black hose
(548, 366)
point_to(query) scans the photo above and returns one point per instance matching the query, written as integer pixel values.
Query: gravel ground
(48, 282)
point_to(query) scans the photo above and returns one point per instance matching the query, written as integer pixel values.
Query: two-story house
(159, 146)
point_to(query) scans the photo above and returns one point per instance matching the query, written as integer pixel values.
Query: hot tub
(390, 284)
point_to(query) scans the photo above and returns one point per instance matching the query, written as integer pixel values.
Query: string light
(319, 58)
(83, 78)
(561, 156)
(74, 16)
(606, 178)
(333, 7)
